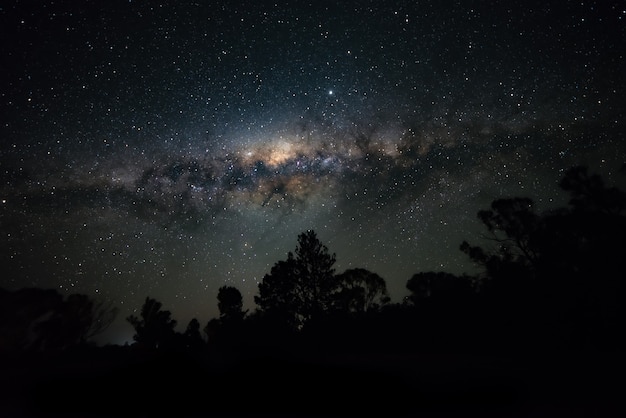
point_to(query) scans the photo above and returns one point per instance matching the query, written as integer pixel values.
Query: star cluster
(164, 149)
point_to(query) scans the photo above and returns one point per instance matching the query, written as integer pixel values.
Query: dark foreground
(124, 382)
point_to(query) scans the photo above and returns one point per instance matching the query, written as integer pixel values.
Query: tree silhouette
(21, 314)
(102, 314)
(589, 193)
(226, 331)
(512, 225)
(443, 309)
(75, 321)
(361, 291)
(192, 337)
(316, 273)
(560, 272)
(42, 319)
(301, 287)
(154, 327)
(584, 247)
(516, 219)
(438, 286)
(280, 298)
(230, 304)
(212, 330)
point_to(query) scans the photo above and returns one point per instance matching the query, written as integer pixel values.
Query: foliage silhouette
(102, 314)
(441, 307)
(227, 331)
(70, 324)
(301, 287)
(588, 192)
(360, 291)
(212, 329)
(438, 286)
(192, 338)
(315, 274)
(21, 311)
(551, 283)
(42, 319)
(557, 277)
(230, 304)
(154, 327)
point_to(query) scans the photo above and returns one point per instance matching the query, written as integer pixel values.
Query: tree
(512, 225)
(562, 270)
(438, 286)
(75, 321)
(360, 291)
(212, 329)
(43, 319)
(230, 304)
(515, 219)
(102, 314)
(21, 314)
(280, 298)
(589, 193)
(442, 308)
(316, 274)
(572, 239)
(300, 287)
(228, 329)
(192, 338)
(583, 263)
(154, 327)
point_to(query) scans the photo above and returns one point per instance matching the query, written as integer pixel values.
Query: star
(141, 150)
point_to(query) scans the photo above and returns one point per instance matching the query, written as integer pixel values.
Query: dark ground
(124, 382)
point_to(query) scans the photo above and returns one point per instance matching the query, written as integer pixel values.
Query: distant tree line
(551, 279)
(547, 280)
(42, 319)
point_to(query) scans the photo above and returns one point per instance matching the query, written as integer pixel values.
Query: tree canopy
(42, 319)
(360, 291)
(301, 287)
(554, 275)
(154, 327)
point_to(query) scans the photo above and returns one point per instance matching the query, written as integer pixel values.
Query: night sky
(165, 149)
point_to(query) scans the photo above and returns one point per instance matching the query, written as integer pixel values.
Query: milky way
(165, 149)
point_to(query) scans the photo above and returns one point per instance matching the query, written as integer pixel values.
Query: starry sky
(167, 148)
